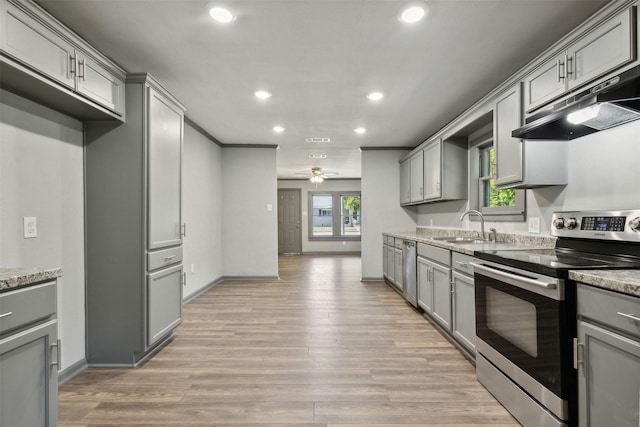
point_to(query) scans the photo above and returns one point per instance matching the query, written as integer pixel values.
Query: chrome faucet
(473, 211)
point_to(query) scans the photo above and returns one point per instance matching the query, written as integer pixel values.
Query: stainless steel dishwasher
(409, 272)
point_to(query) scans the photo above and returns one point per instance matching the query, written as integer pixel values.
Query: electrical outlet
(30, 225)
(534, 225)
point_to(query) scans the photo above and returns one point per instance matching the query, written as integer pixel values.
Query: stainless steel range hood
(608, 104)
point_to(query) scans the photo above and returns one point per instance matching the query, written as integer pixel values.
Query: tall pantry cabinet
(134, 227)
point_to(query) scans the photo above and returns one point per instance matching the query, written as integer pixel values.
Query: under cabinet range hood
(608, 104)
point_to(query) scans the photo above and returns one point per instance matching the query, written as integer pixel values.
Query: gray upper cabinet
(507, 116)
(524, 164)
(416, 180)
(608, 358)
(432, 171)
(100, 85)
(600, 51)
(46, 61)
(405, 182)
(134, 230)
(445, 170)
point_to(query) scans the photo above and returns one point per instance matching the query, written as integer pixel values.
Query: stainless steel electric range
(526, 312)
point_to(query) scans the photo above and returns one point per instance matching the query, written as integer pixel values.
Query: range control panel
(605, 225)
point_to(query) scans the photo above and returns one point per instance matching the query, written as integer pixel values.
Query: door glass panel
(514, 319)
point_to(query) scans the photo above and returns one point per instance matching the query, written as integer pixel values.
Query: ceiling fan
(317, 175)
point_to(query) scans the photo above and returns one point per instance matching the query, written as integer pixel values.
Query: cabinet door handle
(577, 361)
(568, 60)
(560, 76)
(183, 230)
(83, 67)
(184, 278)
(3, 315)
(462, 264)
(58, 346)
(73, 65)
(629, 316)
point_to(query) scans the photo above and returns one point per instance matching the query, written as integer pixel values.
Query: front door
(289, 231)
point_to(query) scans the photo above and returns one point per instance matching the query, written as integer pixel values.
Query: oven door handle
(513, 279)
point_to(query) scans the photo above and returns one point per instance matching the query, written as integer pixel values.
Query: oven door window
(524, 327)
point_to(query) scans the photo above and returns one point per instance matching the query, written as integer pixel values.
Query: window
(496, 204)
(342, 223)
(490, 197)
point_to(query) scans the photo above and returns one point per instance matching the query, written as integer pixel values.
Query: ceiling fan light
(316, 179)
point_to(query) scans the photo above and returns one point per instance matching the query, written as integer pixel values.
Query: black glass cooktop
(557, 262)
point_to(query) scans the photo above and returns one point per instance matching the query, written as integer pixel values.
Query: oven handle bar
(513, 279)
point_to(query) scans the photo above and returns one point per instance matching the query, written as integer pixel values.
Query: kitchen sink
(460, 240)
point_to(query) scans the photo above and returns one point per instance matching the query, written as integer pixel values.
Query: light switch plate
(30, 225)
(534, 225)
(269, 207)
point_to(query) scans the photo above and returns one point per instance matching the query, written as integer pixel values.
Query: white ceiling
(319, 59)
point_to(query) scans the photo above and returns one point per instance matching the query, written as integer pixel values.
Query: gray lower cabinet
(608, 358)
(463, 301)
(134, 229)
(29, 357)
(397, 266)
(41, 58)
(425, 286)
(388, 257)
(434, 283)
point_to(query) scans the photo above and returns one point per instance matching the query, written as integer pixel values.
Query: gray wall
(331, 184)
(381, 206)
(41, 175)
(250, 231)
(201, 210)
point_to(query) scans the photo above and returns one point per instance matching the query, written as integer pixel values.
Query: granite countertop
(624, 281)
(14, 278)
(505, 241)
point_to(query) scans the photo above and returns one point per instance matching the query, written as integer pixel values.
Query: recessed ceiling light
(412, 13)
(262, 94)
(221, 14)
(278, 129)
(317, 156)
(360, 131)
(375, 96)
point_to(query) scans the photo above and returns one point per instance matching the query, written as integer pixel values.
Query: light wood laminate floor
(317, 348)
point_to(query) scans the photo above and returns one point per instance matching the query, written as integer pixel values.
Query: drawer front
(25, 306)
(441, 255)
(164, 258)
(461, 262)
(398, 243)
(385, 239)
(610, 308)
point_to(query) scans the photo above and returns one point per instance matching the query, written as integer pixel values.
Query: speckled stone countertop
(505, 241)
(624, 281)
(14, 278)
